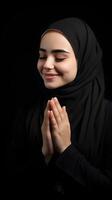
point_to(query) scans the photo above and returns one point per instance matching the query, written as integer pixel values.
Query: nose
(49, 63)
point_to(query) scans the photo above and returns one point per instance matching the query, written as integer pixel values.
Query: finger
(46, 109)
(47, 119)
(48, 133)
(45, 126)
(53, 120)
(65, 114)
(47, 139)
(58, 105)
(55, 111)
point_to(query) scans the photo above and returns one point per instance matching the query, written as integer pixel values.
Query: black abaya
(86, 165)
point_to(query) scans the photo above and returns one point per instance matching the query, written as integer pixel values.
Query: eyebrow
(54, 50)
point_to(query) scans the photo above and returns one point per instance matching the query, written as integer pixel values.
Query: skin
(57, 66)
(57, 63)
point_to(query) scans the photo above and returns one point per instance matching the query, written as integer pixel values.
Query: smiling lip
(50, 76)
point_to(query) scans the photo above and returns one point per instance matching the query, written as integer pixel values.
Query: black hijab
(84, 96)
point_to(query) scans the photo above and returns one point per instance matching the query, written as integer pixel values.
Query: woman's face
(57, 63)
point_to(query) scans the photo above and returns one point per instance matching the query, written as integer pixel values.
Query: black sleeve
(74, 164)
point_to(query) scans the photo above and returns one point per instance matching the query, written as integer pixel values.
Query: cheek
(73, 68)
(39, 66)
(62, 68)
(73, 72)
(70, 71)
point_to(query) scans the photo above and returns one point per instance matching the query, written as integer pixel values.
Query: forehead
(53, 39)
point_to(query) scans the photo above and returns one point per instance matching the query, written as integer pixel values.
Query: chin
(51, 87)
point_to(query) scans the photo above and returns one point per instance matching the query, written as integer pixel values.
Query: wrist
(64, 148)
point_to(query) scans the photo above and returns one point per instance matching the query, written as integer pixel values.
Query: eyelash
(56, 59)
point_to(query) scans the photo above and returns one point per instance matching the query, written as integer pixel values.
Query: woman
(65, 142)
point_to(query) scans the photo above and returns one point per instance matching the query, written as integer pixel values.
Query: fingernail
(64, 107)
(55, 98)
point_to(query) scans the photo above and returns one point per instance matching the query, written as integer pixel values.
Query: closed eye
(59, 59)
(56, 59)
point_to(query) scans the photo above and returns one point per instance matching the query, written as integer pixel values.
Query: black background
(21, 29)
